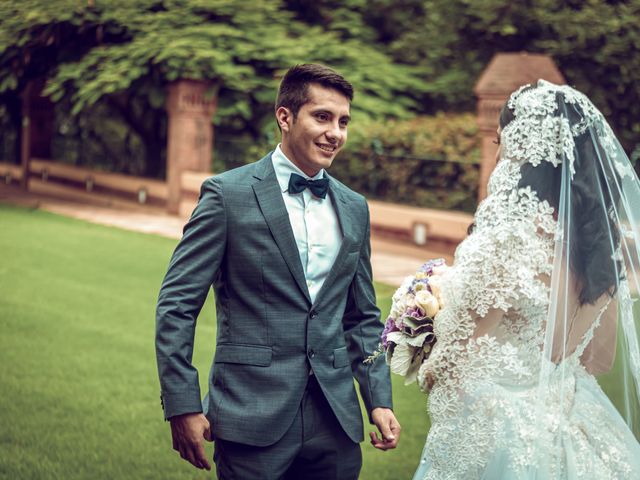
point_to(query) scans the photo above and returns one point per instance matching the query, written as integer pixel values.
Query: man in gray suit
(286, 249)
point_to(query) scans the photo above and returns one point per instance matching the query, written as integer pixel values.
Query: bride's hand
(428, 382)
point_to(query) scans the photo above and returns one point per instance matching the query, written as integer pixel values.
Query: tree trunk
(13, 104)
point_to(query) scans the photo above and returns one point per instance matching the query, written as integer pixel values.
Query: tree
(115, 58)
(594, 43)
(121, 55)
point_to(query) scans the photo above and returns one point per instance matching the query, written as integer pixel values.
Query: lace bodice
(498, 272)
(501, 276)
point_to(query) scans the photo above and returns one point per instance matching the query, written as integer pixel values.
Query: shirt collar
(285, 167)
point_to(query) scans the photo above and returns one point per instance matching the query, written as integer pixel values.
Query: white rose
(427, 302)
(440, 269)
(399, 305)
(435, 284)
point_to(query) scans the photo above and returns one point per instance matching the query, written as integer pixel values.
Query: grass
(80, 394)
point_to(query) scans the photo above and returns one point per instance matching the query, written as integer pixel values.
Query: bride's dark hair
(593, 234)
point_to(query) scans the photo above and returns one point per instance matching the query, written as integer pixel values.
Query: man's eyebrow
(327, 110)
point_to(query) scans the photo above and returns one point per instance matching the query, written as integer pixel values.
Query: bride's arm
(600, 353)
(487, 324)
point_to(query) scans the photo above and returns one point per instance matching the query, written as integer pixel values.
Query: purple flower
(389, 327)
(415, 282)
(428, 267)
(415, 312)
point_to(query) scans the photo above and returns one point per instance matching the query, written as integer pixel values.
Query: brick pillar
(505, 73)
(488, 111)
(37, 127)
(190, 107)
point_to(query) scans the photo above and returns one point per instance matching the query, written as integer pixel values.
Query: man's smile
(326, 147)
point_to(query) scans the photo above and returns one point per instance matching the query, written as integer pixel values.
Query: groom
(286, 249)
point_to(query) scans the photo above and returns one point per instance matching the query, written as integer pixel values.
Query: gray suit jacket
(239, 240)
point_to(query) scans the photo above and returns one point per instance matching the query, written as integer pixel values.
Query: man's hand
(388, 427)
(187, 432)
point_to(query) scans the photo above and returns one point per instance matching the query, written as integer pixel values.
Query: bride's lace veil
(569, 158)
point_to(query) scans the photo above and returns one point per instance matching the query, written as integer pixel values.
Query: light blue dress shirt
(314, 223)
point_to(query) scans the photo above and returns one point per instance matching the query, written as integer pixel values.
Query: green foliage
(240, 47)
(96, 138)
(426, 161)
(594, 43)
(373, 22)
(121, 55)
(405, 57)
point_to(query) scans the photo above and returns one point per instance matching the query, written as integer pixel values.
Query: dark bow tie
(297, 184)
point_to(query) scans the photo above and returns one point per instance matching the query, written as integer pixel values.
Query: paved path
(391, 260)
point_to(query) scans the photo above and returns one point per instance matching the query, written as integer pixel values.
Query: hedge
(426, 161)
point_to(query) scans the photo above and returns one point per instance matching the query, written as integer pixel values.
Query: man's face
(313, 139)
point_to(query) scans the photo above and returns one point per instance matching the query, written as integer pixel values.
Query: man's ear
(284, 117)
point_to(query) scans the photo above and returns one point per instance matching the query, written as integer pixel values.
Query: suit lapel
(269, 197)
(347, 222)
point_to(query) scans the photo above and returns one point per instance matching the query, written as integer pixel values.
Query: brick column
(505, 73)
(190, 107)
(488, 112)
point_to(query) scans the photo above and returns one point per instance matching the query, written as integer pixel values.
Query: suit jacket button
(313, 314)
(311, 353)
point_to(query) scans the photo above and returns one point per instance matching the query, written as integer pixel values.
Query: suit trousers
(315, 447)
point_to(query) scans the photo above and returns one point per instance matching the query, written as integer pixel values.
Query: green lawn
(80, 395)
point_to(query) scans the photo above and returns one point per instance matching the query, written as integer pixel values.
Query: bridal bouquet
(408, 335)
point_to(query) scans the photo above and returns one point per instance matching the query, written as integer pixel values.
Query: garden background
(80, 396)
(106, 65)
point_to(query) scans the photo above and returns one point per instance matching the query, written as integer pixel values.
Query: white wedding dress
(513, 392)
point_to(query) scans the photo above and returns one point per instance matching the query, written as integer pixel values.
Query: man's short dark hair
(294, 88)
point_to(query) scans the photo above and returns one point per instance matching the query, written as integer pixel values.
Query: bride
(536, 369)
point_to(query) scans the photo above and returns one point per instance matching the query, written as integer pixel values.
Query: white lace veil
(570, 159)
(536, 370)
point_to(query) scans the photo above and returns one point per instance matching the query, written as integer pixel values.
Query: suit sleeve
(192, 270)
(362, 330)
